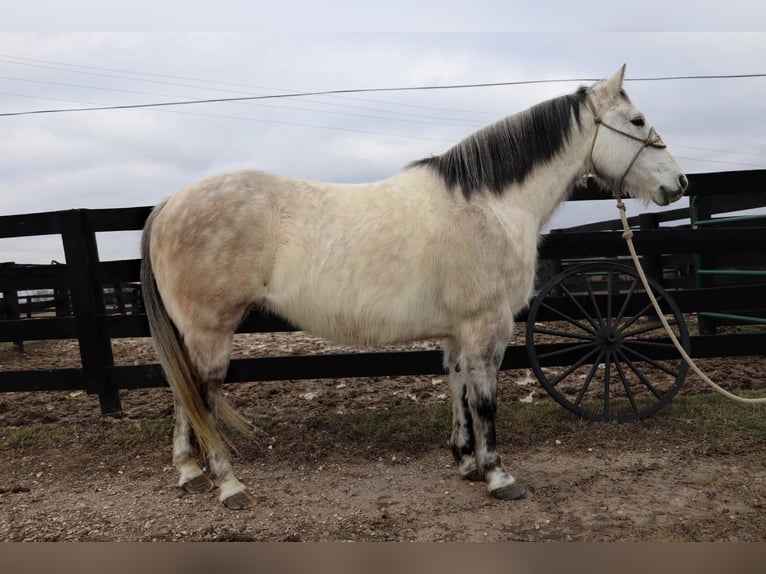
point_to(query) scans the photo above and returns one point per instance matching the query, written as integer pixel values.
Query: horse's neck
(549, 185)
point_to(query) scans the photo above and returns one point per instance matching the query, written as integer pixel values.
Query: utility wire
(250, 87)
(120, 71)
(391, 115)
(280, 122)
(366, 91)
(409, 136)
(283, 96)
(304, 94)
(201, 80)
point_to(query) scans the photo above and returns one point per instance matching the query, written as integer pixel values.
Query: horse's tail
(181, 374)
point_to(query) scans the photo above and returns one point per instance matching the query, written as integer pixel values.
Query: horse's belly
(360, 314)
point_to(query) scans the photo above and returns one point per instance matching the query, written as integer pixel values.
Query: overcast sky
(121, 158)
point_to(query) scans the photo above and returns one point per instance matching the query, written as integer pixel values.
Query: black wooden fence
(667, 251)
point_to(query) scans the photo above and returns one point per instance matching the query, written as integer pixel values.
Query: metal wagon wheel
(601, 351)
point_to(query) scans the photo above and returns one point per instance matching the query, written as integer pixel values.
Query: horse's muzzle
(671, 195)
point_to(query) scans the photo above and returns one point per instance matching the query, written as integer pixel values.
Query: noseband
(653, 139)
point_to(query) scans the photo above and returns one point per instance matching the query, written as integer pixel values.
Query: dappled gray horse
(445, 249)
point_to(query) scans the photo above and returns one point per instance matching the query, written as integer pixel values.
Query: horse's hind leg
(234, 494)
(191, 478)
(209, 353)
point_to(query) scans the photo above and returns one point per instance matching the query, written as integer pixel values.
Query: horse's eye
(639, 122)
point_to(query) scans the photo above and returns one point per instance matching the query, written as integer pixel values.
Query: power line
(292, 123)
(44, 64)
(288, 95)
(202, 80)
(107, 72)
(728, 162)
(711, 150)
(419, 137)
(121, 71)
(303, 94)
(392, 115)
(697, 77)
(367, 91)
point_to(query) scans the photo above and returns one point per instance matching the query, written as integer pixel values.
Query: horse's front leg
(480, 360)
(463, 442)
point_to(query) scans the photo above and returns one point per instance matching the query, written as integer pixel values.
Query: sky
(132, 157)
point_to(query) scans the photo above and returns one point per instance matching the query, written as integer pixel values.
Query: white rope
(628, 237)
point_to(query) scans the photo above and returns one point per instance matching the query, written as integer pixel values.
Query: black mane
(507, 151)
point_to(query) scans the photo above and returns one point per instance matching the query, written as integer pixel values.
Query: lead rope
(628, 237)
(652, 140)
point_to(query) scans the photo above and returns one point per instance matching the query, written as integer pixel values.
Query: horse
(445, 249)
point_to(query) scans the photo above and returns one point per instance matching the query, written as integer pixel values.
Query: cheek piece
(653, 139)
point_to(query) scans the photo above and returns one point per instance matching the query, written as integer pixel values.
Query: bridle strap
(653, 139)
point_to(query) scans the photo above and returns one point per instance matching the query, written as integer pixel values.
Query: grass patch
(129, 434)
(704, 424)
(372, 433)
(406, 429)
(717, 418)
(118, 434)
(35, 437)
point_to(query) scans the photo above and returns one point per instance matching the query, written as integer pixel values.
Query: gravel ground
(368, 460)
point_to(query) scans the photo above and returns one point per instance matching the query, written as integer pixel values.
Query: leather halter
(653, 139)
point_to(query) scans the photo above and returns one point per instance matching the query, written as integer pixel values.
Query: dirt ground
(368, 460)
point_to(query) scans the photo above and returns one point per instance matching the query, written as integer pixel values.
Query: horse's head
(627, 155)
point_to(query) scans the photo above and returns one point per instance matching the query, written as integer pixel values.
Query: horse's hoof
(473, 475)
(198, 485)
(510, 492)
(240, 501)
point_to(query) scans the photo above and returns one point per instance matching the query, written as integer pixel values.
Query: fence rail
(86, 280)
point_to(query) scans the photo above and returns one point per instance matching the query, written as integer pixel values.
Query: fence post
(10, 309)
(701, 211)
(61, 298)
(651, 263)
(86, 291)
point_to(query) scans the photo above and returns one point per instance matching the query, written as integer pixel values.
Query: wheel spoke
(652, 327)
(625, 384)
(650, 343)
(575, 366)
(607, 376)
(588, 379)
(592, 297)
(579, 306)
(569, 319)
(640, 375)
(628, 297)
(567, 349)
(652, 362)
(609, 296)
(563, 334)
(640, 314)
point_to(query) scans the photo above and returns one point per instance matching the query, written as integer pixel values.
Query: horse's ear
(613, 85)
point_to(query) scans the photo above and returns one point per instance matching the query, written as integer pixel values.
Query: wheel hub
(609, 338)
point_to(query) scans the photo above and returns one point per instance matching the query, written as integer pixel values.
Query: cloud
(135, 157)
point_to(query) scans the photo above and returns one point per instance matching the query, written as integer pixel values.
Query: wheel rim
(602, 352)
